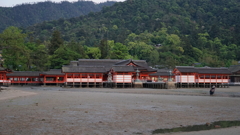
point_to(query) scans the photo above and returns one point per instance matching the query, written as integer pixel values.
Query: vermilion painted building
(52, 77)
(97, 71)
(24, 77)
(162, 74)
(3, 76)
(201, 75)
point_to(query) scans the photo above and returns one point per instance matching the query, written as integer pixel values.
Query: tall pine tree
(55, 42)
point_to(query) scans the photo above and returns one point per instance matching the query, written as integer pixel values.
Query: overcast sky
(11, 3)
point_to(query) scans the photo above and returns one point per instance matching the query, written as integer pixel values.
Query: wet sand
(99, 111)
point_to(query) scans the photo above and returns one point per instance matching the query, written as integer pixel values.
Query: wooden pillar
(180, 79)
(80, 80)
(228, 81)
(65, 78)
(87, 80)
(44, 80)
(95, 84)
(56, 80)
(73, 78)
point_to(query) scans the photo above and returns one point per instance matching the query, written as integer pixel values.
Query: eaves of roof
(23, 73)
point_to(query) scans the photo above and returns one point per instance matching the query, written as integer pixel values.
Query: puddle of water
(207, 126)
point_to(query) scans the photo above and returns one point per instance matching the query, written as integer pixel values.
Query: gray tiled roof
(123, 69)
(123, 62)
(2, 69)
(213, 70)
(74, 63)
(53, 72)
(141, 65)
(161, 72)
(203, 70)
(145, 69)
(104, 65)
(84, 69)
(107, 63)
(24, 73)
(234, 68)
(186, 69)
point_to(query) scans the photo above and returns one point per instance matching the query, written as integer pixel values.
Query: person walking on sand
(212, 90)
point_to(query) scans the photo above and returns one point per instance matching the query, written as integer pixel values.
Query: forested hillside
(29, 14)
(163, 32)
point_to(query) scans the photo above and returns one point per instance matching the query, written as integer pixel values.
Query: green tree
(119, 51)
(55, 42)
(78, 48)
(197, 53)
(62, 56)
(93, 53)
(203, 40)
(154, 58)
(172, 40)
(14, 52)
(40, 58)
(104, 47)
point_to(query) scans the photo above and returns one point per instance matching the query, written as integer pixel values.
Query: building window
(84, 75)
(69, 75)
(76, 75)
(60, 79)
(213, 77)
(91, 76)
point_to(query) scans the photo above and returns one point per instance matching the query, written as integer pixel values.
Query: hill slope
(29, 14)
(217, 17)
(206, 33)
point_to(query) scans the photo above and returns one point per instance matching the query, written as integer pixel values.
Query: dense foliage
(28, 14)
(163, 32)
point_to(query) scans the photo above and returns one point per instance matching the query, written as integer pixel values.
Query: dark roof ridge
(123, 61)
(185, 66)
(211, 67)
(98, 60)
(139, 60)
(120, 65)
(82, 66)
(88, 66)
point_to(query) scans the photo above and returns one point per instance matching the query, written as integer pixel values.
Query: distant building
(201, 75)
(158, 45)
(235, 74)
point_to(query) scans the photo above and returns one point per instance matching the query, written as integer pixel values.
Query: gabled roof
(104, 65)
(84, 69)
(202, 70)
(186, 69)
(234, 68)
(161, 72)
(23, 73)
(123, 68)
(213, 70)
(124, 62)
(53, 72)
(147, 69)
(107, 63)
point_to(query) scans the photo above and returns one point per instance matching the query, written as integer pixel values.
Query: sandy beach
(103, 111)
